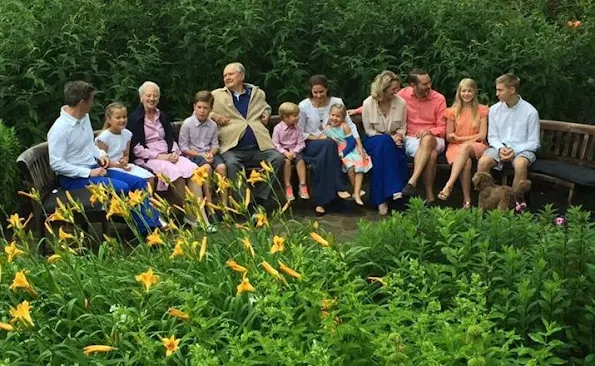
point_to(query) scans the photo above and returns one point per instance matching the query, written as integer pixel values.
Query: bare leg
(429, 175)
(287, 173)
(351, 176)
(197, 191)
(177, 188)
(521, 173)
(357, 188)
(422, 156)
(457, 167)
(466, 184)
(485, 164)
(301, 172)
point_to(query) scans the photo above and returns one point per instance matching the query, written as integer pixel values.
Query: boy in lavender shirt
(288, 139)
(199, 141)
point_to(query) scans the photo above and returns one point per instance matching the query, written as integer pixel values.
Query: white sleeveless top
(116, 144)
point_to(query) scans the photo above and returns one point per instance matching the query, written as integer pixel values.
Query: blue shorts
(200, 161)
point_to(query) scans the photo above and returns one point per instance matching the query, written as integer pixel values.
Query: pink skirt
(183, 168)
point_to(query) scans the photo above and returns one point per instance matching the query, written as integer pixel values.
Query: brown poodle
(494, 196)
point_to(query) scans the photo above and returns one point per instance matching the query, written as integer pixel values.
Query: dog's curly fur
(493, 196)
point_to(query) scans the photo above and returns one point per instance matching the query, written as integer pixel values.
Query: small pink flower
(560, 221)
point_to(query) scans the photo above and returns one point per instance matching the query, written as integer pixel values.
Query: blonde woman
(384, 115)
(466, 130)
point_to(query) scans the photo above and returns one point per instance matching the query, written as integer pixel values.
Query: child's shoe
(304, 192)
(289, 193)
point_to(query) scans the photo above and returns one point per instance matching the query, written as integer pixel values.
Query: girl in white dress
(115, 141)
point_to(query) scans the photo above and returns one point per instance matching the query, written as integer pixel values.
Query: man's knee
(427, 142)
(121, 186)
(485, 163)
(520, 165)
(276, 159)
(221, 169)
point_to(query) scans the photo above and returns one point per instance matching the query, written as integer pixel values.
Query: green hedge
(10, 177)
(183, 45)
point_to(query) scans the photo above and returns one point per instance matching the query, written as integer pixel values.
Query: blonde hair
(109, 112)
(340, 107)
(288, 109)
(382, 82)
(457, 106)
(510, 80)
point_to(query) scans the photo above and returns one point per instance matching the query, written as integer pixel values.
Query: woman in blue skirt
(321, 152)
(384, 116)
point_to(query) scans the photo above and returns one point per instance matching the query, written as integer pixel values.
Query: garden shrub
(183, 45)
(425, 287)
(10, 177)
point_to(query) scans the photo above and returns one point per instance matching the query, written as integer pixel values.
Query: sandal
(467, 205)
(383, 209)
(319, 211)
(358, 200)
(344, 195)
(444, 193)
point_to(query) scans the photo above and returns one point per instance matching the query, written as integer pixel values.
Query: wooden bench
(565, 157)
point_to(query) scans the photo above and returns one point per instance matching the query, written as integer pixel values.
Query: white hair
(147, 84)
(238, 66)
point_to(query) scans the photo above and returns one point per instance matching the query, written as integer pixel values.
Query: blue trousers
(389, 173)
(122, 183)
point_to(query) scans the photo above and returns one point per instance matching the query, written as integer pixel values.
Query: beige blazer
(375, 123)
(230, 134)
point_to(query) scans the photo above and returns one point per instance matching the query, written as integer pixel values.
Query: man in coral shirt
(426, 127)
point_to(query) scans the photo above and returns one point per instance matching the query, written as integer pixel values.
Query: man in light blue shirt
(513, 131)
(74, 155)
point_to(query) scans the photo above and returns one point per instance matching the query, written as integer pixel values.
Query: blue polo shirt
(241, 102)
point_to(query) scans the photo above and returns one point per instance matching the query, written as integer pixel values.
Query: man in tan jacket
(242, 113)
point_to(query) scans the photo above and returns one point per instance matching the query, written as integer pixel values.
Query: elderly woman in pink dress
(153, 145)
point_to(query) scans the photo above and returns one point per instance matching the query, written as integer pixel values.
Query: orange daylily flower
(7, 327)
(20, 281)
(135, 198)
(200, 175)
(289, 271)
(62, 235)
(96, 348)
(244, 286)
(278, 244)
(17, 223)
(178, 250)
(319, 239)
(155, 238)
(54, 258)
(247, 197)
(99, 193)
(117, 207)
(261, 219)
(272, 271)
(248, 246)
(147, 278)
(22, 313)
(178, 314)
(236, 267)
(171, 345)
(223, 183)
(255, 177)
(12, 251)
(267, 166)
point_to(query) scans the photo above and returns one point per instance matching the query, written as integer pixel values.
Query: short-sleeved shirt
(116, 143)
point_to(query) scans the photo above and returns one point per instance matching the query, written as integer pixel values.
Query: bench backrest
(34, 164)
(570, 142)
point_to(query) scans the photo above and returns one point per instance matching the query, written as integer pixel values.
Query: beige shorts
(493, 153)
(412, 144)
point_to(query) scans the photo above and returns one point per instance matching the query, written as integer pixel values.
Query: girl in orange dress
(466, 130)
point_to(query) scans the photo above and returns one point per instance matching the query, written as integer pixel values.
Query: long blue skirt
(389, 173)
(327, 177)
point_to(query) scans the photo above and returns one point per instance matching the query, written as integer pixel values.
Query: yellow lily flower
(170, 344)
(377, 279)
(34, 194)
(266, 166)
(278, 244)
(147, 278)
(223, 183)
(117, 207)
(272, 271)
(96, 348)
(255, 177)
(245, 286)
(16, 222)
(178, 251)
(178, 314)
(20, 281)
(54, 258)
(236, 267)
(155, 238)
(7, 327)
(203, 248)
(62, 235)
(289, 271)
(319, 239)
(135, 198)
(99, 194)
(22, 312)
(261, 219)
(200, 175)
(12, 251)
(248, 246)
(327, 304)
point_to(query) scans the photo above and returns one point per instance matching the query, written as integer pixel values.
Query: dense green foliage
(10, 177)
(425, 287)
(184, 44)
